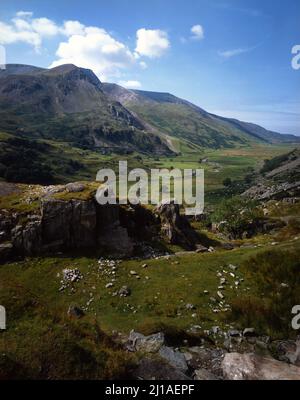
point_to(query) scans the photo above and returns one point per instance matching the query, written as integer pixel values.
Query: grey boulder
(238, 366)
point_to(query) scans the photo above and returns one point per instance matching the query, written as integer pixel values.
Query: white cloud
(131, 84)
(143, 65)
(151, 42)
(95, 49)
(12, 34)
(234, 52)
(197, 32)
(85, 46)
(24, 28)
(24, 14)
(72, 28)
(44, 27)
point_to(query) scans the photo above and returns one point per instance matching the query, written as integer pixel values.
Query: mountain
(68, 103)
(258, 131)
(179, 118)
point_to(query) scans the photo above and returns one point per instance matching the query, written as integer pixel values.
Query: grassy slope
(154, 301)
(181, 121)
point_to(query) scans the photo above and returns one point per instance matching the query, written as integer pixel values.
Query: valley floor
(68, 315)
(174, 294)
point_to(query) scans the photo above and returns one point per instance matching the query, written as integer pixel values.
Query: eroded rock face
(27, 239)
(175, 227)
(83, 224)
(72, 224)
(253, 367)
(63, 224)
(56, 220)
(5, 251)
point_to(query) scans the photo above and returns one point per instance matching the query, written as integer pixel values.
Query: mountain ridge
(67, 102)
(135, 99)
(71, 103)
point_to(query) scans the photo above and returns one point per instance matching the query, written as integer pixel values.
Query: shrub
(239, 215)
(227, 182)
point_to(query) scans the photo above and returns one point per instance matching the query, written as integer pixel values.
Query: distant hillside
(285, 167)
(179, 118)
(258, 131)
(68, 103)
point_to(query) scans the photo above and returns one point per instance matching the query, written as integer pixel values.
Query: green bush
(227, 182)
(239, 215)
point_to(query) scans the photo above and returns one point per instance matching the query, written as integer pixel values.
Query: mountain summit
(67, 102)
(71, 104)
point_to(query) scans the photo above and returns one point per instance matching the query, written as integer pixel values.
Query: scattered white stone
(284, 285)
(189, 306)
(71, 275)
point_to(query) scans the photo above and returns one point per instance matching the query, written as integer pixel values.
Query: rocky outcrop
(111, 235)
(264, 191)
(62, 225)
(71, 224)
(5, 251)
(243, 359)
(253, 367)
(27, 239)
(176, 227)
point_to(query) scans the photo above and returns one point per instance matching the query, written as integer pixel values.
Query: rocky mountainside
(278, 179)
(176, 117)
(68, 103)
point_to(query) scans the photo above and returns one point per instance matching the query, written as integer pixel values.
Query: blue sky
(231, 57)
